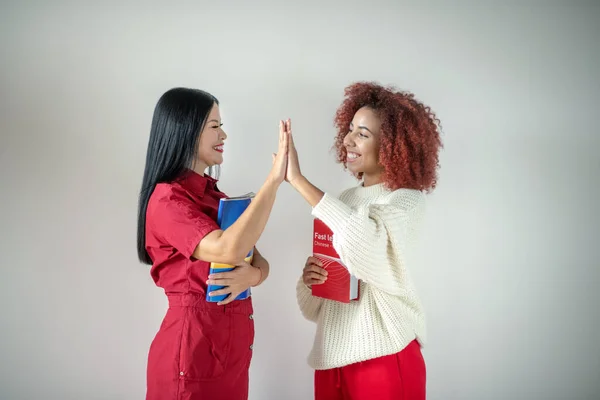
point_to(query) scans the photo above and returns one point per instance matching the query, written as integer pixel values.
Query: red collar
(196, 183)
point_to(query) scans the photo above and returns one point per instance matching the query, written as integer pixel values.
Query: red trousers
(202, 351)
(399, 376)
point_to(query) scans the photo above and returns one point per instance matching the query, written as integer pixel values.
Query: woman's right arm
(310, 306)
(312, 274)
(233, 244)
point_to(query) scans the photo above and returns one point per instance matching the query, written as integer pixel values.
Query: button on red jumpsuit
(202, 351)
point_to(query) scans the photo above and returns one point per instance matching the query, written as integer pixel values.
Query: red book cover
(340, 285)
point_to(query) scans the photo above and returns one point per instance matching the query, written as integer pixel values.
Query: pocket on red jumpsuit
(205, 345)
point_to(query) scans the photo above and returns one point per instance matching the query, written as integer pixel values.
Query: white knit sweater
(374, 230)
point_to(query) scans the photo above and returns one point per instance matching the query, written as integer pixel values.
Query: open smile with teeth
(219, 148)
(352, 156)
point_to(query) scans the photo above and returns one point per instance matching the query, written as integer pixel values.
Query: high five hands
(292, 172)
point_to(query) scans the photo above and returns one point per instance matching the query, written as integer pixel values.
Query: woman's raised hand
(280, 159)
(293, 167)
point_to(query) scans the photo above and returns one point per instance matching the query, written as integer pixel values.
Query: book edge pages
(250, 195)
(354, 282)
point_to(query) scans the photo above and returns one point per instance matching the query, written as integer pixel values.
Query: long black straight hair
(178, 120)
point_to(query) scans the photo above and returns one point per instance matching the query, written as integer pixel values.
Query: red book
(340, 285)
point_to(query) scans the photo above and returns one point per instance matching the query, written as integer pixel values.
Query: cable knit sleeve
(371, 239)
(309, 304)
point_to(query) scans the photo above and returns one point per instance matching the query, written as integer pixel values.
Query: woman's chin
(353, 169)
(217, 161)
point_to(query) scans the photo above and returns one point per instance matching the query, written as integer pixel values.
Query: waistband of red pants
(197, 300)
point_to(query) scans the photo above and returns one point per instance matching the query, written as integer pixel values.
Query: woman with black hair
(202, 349)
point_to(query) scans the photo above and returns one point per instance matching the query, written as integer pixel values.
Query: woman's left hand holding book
(236, 281)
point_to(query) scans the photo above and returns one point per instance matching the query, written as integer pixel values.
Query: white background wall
(509, 268)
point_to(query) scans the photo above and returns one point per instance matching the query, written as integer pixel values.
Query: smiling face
(210, 145)
(362, 146)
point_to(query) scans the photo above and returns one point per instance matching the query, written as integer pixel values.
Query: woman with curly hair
(371, 348)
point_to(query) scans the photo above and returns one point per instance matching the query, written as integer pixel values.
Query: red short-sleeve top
(179, 215)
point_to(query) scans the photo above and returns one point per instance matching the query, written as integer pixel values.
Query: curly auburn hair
(410, 136)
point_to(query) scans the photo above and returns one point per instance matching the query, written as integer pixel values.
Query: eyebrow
(362, 127)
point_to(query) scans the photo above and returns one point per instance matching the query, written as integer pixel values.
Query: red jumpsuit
(202, 351)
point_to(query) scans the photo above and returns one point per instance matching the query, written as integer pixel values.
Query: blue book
(230, 210)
